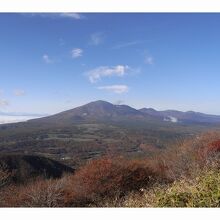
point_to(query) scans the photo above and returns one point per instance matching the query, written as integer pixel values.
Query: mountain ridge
(105, 111)
(187, 116)
(27, 167)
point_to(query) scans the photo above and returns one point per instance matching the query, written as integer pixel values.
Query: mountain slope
(93, 112)
(27, 167)
(102, 112)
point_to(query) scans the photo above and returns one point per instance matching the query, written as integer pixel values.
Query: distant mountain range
(102, 111)
(182, 117)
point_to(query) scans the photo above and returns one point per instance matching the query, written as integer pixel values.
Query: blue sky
(54, 62)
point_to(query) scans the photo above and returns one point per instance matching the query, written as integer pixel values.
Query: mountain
(102, 111)
(97, 128)
(27, 167)
(98, 111)
(188, 117)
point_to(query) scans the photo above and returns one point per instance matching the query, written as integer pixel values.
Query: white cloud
(96, 38)
(119, 89)
(47, 59)
(171, 119)
(19, 92)
(127, 44)
(149, 60)
(76, 16)
(76, 52)
(3, 103)
(105, 71)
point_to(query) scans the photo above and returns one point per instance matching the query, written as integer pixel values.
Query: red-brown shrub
(99, 179)
(211, 151)
(40, 193)
(214, 146)
(209, 145)
(109, 177)
(185, 157)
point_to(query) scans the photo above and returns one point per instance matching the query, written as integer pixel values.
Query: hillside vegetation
(100, 128)
(23, 168)
(185, 175)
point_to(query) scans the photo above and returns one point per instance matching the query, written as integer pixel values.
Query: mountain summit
(95, 111)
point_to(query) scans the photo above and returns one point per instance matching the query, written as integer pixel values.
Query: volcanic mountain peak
(101, 107)
(102, 111)
(94, 111)
(98, 104)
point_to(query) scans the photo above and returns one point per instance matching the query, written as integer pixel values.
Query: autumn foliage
(113, 178)
(109, 178)
(215, 146)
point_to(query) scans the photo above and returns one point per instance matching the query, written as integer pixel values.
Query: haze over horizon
(55, 62)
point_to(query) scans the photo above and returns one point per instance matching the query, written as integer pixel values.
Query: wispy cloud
(47, 59)
(149, 60)
(96, 74)
(96, 38)
(76, 16)
(3, 103)
(76, 52)
(19, 92)
(127, 44)
(119, 89)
